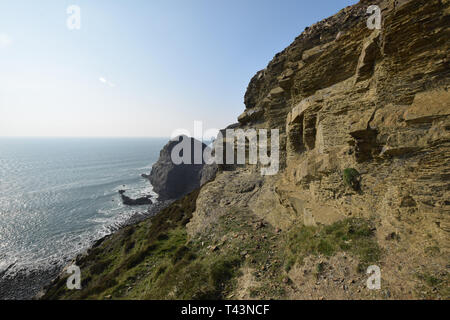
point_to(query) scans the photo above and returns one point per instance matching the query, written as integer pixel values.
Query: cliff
(345, 99)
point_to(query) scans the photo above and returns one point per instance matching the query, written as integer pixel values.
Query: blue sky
(138, 67)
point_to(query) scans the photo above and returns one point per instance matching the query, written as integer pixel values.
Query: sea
(59, 195)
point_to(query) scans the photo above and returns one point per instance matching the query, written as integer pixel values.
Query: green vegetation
(429, 279)
(156, 259)
(240, 234)
(432, 251)
(352, 235)
(320, 268)
(434, 285)
(152, 260)
(352, 178)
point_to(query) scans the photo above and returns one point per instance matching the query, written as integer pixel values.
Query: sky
(138, 68)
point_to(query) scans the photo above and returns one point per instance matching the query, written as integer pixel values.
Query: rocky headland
(364, 121)
(173, 181)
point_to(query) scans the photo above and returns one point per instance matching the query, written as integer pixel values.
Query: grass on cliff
(434, 285)
(352, 235)
(351, 178)
(155, 259)
(151, 260)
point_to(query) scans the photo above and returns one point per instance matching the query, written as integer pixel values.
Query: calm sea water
(57, 196)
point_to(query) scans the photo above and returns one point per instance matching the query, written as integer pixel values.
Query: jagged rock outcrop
(126, 200)
(172, 181)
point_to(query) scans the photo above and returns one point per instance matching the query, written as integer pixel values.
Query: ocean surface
(59, 195)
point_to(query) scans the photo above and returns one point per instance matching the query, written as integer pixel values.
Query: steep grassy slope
(151, 260)
(155, 259)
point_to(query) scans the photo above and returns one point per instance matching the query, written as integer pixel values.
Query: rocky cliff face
(343, 97)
